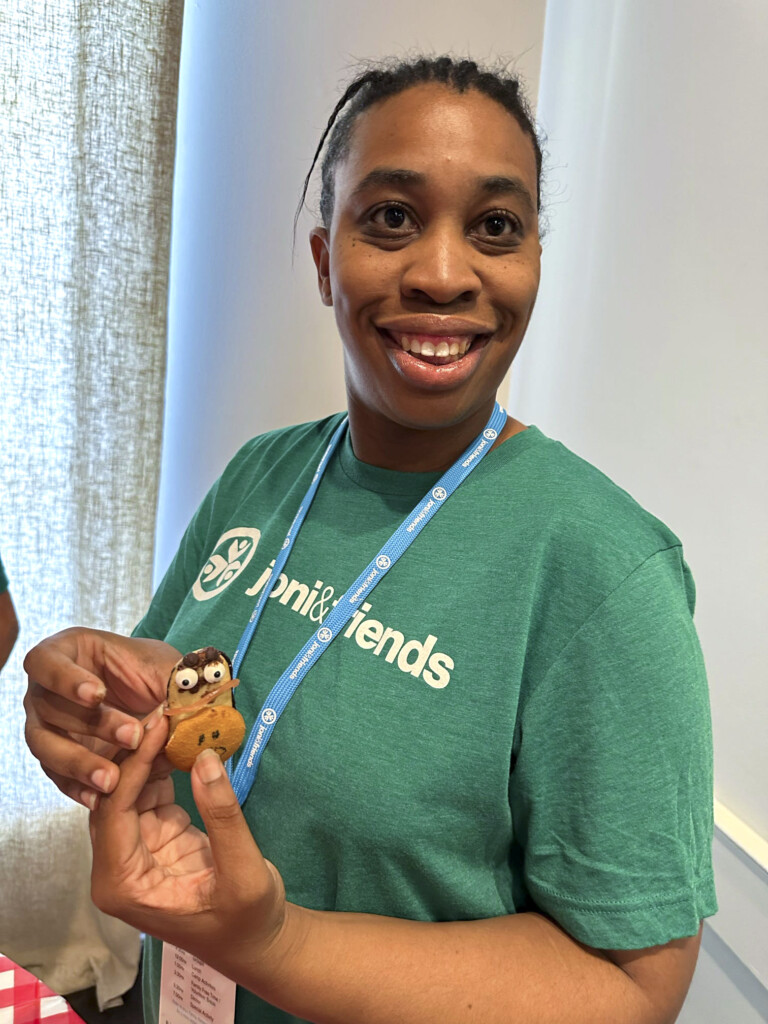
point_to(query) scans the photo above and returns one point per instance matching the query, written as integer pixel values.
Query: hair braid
(388, 78)
(352, 90)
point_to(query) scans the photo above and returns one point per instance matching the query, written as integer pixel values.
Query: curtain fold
(88, 96)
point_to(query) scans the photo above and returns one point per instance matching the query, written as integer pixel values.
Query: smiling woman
(507, 816)
(432, 265)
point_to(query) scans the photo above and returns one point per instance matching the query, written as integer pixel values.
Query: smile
(434, 361)
(436, 340)
(437, 349)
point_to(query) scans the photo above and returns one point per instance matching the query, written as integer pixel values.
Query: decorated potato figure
(200, 706)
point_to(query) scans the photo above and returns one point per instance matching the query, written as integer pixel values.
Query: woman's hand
(215, 895)
(86, 690)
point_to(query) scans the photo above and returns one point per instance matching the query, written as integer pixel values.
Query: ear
(318, 243)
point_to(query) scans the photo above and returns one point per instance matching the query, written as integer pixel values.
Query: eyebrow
(497, 184)
(502, 185)
(389, 176)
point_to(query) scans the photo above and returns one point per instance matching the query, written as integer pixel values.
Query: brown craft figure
(200, 705)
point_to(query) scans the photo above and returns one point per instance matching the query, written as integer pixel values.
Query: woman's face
(432, 258)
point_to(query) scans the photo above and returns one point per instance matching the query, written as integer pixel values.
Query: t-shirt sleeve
(611, 790)
(3, 579)
(181, 573)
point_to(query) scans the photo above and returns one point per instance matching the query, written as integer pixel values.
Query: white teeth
(442, 349)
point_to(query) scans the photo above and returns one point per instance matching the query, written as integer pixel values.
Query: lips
(428, 370)
(434, 348)
(436, 339)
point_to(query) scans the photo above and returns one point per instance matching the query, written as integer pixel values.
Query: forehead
(433, 129)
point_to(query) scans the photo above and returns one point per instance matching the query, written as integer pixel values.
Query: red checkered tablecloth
(24, 999)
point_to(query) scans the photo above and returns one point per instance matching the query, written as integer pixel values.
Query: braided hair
(387, 78)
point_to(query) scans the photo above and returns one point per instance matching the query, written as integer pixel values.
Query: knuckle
(65, 786)
(31, 734)
(36, 704)
(76, 769)
(59, 781)
(29, 699)
(223, 816)
(29, 658)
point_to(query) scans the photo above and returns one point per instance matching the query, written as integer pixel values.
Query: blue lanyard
(248, 765)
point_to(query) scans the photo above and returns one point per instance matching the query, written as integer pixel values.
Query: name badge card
(191, 992)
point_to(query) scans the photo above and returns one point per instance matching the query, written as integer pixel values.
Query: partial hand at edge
(86, 689)
(214, 895)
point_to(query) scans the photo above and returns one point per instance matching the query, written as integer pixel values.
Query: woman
(490, 798)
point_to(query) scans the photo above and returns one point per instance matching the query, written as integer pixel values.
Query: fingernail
(128, 735)
(154, 718)
(94, 693)
(209, 766)
(101, 780)
(89, 798)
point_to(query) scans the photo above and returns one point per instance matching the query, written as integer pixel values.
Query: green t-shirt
(3, 579)
(519, 720)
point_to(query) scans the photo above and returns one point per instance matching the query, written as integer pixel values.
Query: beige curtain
(88, 92)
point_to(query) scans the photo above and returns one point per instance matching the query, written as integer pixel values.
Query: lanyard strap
(248, 765)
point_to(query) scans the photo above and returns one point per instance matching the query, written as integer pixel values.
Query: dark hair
(383, 79)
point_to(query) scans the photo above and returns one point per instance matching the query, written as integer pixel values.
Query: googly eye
(214, 672)
(187, 679)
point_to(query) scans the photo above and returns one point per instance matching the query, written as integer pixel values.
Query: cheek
(361, 276)
(518, 285)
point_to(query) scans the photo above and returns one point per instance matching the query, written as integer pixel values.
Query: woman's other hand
(214, 895)
(87, 688)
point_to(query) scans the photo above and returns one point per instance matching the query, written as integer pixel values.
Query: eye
(498, 224)
(214, 672)
(495, 224)
(187, 679)
(391, 216)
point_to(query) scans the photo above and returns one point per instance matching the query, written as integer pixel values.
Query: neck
(381, 442)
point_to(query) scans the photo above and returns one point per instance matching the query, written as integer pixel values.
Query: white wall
(250, 346)
(647, 354)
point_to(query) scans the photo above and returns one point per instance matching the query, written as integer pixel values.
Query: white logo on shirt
(398, 647)
(231, 554)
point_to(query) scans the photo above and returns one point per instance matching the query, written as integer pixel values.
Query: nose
(439, 268)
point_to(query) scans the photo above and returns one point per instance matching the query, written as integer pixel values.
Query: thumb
(233, 848)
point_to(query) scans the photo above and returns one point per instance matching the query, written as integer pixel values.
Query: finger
(64, 758)
(52, 666)
(89, 798)
(137, 767)
(155, 794)
(230, 837)
(114, 825)
(162, 767)
(102, 721)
